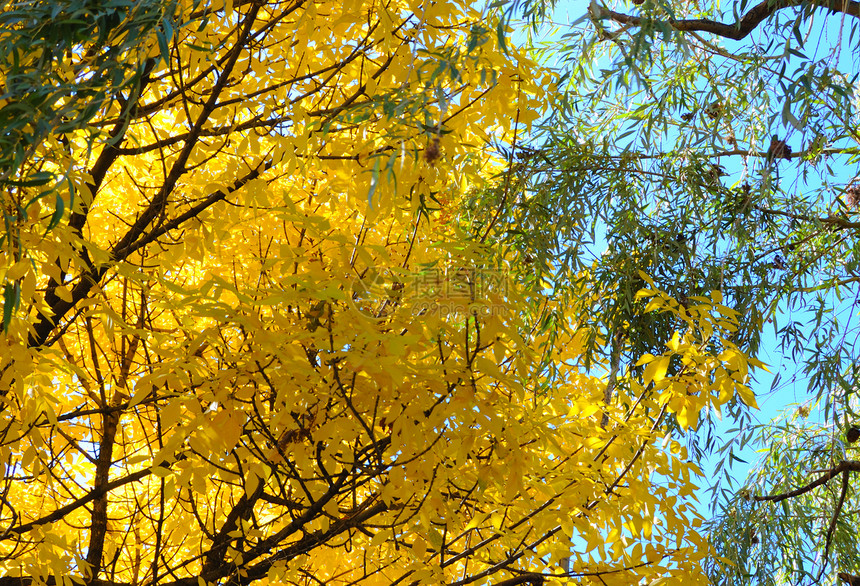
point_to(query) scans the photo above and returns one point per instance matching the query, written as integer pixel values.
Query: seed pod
(778, 149)
(778, 262)
(432, 153)
(714, 110)
(852, 195)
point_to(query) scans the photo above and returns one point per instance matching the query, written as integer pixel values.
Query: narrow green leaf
(11, 297)
(374, 181)
(59, 208)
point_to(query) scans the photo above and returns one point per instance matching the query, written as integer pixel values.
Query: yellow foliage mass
(262, 350)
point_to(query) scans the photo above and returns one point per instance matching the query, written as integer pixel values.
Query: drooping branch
(736, 30)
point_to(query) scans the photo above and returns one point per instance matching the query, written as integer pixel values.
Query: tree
(47, 94)
(255, 337)
(794, 513)
(717, 149)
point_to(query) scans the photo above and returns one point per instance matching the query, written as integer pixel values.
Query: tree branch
(99, 518)
(90, 496)
(832, 220)
(829, 540)
(51, 581)
(533, 579)
(735, 30)
(852, 465)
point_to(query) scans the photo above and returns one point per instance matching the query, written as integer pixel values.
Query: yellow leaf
(252, 482)
(747, 396)
(656, 370)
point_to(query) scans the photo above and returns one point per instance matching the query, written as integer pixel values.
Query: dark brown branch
(735, 30)
(533, 579)
(266, 545)
(267, 123)
(282, 502)
(254, 123)
(54, 581)
(108, 156)
(832, 221)
(830, 529)
(214, 558)
(98, 526)
(852, 465)
(178, 168)
(111, 151)
(121, 253)
(308, 542)
(60, 307)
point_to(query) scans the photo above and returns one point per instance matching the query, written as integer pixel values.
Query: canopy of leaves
(259, 338)
(60, 64)
(716, 147)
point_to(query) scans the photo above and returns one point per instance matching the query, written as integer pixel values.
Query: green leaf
(374, 181)
(59, 208)
(500, 35)
(11, 298)
(162, 45)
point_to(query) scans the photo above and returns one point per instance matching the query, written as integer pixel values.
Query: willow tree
(715, 147)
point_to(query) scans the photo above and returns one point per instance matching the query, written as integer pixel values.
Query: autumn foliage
(259, 343)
